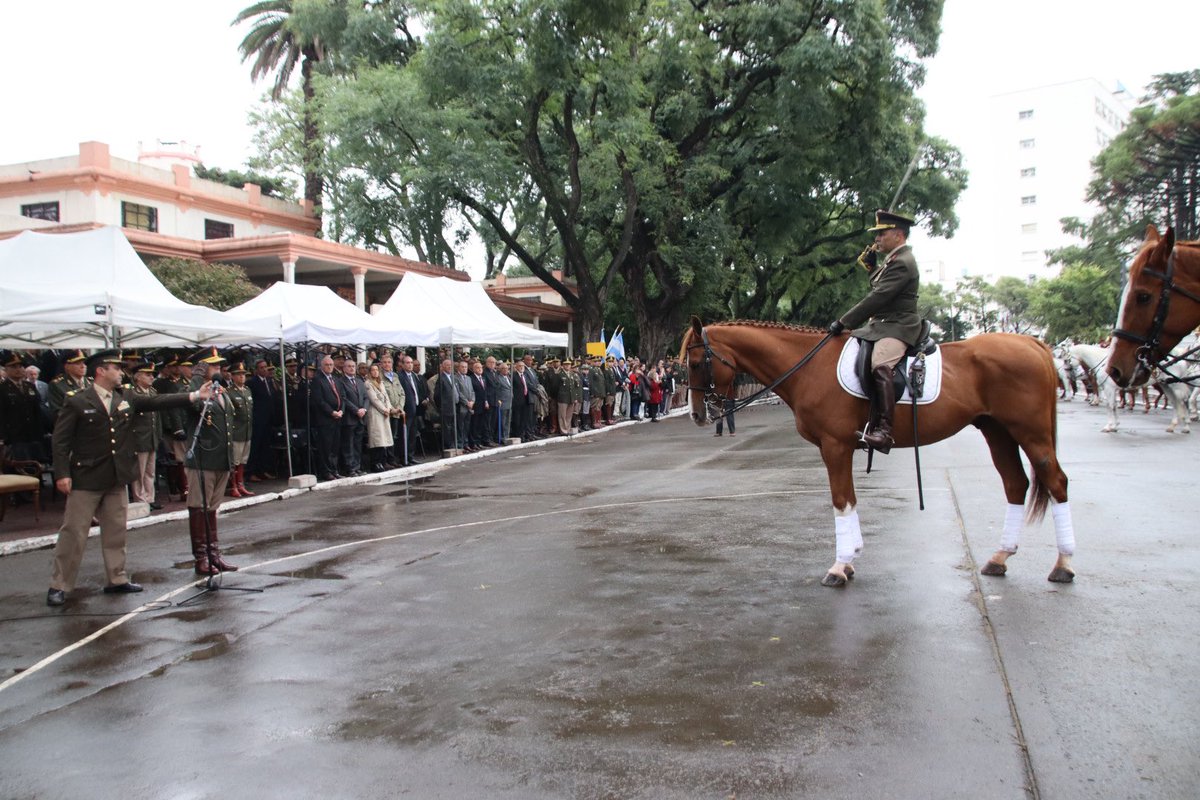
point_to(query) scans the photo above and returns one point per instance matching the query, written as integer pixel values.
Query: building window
(1029, 172)
(1029, 227)
(217, 230)
(1030, 255)
(46, 211)
(1026, 114)
(1027, 144)
(1102, 138)
(139, 217)
(1029, 200)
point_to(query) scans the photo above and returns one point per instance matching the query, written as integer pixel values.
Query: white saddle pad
(851, 383)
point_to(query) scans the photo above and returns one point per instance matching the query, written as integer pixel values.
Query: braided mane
(760, 323)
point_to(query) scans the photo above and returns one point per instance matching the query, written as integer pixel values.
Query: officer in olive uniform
(597, 387)
(93, 461)
(241, 429)
(74, 379)
(576, 394)
(147, 434)
(208, 461)
(890, 314)
(173, 421)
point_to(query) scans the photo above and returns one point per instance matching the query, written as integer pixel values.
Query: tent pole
(287, 426)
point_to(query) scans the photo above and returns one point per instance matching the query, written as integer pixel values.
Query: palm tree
(276, 47)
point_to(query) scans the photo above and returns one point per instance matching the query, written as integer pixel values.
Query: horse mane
(762, 323)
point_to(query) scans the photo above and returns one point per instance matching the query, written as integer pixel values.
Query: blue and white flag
(616, 347)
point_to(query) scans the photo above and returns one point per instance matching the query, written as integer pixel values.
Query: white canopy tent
(92, 290)
(317, 314)
(458, 312)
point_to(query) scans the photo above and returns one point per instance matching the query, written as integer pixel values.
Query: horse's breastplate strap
(850, 380)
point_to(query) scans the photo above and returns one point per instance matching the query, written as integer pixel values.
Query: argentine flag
(616, 347)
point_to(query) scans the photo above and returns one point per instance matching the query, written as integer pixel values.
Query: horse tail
(1039, 497)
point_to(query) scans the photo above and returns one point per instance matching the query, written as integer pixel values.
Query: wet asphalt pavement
(637, 615)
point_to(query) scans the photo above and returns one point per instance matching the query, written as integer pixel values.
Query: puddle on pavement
(210, 647)
(322, 571)
(420, 495)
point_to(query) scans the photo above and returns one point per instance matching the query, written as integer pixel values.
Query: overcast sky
(124, 71)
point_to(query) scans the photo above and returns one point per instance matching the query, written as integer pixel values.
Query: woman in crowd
(667, 378)
(379, 411)
(654, 393)
(636, 389)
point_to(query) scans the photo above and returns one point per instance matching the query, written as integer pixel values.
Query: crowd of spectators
(348, 412)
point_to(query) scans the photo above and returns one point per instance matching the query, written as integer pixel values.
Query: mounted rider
(890, 314)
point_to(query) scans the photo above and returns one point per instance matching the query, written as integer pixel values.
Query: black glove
(836, 327)
(180, 436)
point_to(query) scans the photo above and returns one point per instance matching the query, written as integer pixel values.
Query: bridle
(713, 401)
(1149, 344)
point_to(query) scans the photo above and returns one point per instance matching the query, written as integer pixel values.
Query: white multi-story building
(1037, 170)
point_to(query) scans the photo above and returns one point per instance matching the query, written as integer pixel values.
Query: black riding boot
(879, 437)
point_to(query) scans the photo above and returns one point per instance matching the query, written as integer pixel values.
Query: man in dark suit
(354, 423)
(267, 413)
(326, 398)
(481, 412)
(446, 400)
(411, 384)
(890, 314)
(93, 461)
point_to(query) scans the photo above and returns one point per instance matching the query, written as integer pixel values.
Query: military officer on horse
(890, 315)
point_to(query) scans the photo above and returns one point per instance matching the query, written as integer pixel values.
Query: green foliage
(718, 157)
(271, 187)
(1080, 304)
(219, 286)
(1150, 172)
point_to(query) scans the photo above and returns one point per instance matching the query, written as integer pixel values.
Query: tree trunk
(314, 183)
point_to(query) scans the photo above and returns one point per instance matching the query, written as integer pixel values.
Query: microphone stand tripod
(215, 575)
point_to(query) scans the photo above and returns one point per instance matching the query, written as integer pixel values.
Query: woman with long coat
(379, 411)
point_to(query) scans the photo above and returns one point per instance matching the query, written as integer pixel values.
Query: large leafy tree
(1080, 304)
(713, 156)
(281, 37)
(1150, 173)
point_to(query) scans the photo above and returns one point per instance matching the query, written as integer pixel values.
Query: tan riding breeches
(887, 353)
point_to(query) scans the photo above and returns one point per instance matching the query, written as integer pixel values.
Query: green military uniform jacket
(240, 418)
(610, 381)
(174, 421)
(146, 431)
(214, 447)
(576, 387)
(62, 387)
(95, 449)
(596, 383)
(890, 310)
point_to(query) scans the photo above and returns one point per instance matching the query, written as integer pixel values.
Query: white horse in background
(1182, 393)
(1068, 374)
(1095, 358)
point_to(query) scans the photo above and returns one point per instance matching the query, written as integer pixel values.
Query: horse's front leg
(839, 464)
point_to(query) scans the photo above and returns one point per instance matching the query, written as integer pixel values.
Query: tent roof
(317, 314)
(90, 288)
(460, 312)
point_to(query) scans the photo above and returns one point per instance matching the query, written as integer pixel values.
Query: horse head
(710, 374)
(1147, 326)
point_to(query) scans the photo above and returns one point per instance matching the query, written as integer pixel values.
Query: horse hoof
(992, 568)
(833, 580)
(849, 572)
(1061, 575)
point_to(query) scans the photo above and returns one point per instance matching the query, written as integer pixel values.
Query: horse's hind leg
(1006, 456)
(1050, 483)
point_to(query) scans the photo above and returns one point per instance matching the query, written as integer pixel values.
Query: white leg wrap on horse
(1014, 519)
(1064, 532)
(849, 535)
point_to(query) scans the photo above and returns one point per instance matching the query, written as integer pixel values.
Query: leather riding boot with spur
(199, 545)
(879, 437)
(214, 552)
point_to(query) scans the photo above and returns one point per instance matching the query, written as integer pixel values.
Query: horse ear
(1151, 233)
(697, 327)
(1162, 250)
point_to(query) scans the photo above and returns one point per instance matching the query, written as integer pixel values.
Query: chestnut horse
(1003, 384)
(1161, 305)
